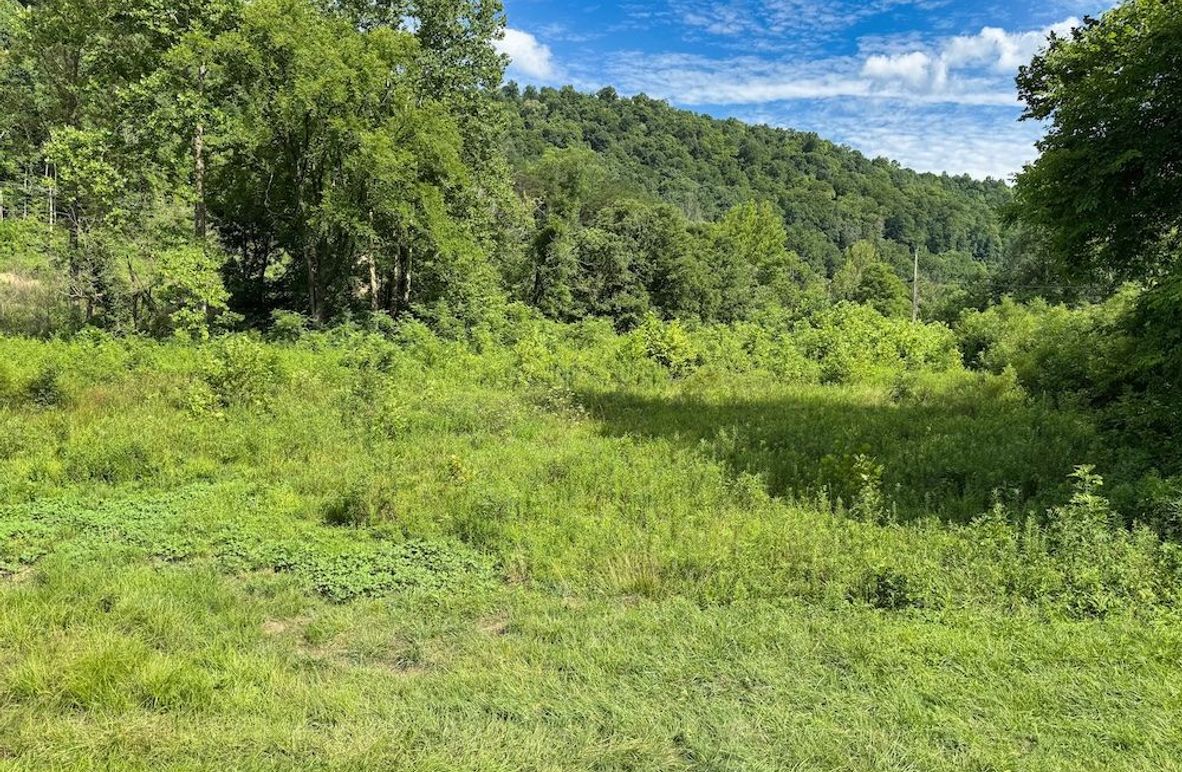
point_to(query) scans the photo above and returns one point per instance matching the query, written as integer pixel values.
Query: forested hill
(830, 196)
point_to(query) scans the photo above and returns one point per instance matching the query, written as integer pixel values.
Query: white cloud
(979, 141)
(527, 56)
(693, 80)
(773, 19)
(962, 70)
(993, 54)
(916, 68)
(933, 141)
(1001, 50)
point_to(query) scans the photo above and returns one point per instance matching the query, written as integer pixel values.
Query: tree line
(310, 155)
(202, 162)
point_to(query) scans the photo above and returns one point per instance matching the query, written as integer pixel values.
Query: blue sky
(929, 83)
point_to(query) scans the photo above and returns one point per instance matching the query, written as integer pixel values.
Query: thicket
(1118, 361)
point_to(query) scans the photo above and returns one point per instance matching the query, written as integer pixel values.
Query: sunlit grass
(367, 555)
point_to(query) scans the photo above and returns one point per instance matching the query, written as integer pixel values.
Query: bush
(1118, 359)
(243, 372)
(287, 326)
(856, 344)
(46, 390)
(668, 344)
(362, 503)
(1103, 567)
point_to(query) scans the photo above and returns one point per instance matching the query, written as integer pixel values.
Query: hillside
(829, 196)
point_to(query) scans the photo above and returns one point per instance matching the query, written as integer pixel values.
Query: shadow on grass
(946, 457)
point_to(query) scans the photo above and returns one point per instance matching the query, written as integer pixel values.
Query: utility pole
(915, 289)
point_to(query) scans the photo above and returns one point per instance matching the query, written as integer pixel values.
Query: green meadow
(546, 550)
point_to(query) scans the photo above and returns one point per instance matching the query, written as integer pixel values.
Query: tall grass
(552, 547)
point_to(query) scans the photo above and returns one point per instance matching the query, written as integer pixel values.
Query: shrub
(869, 503)
(287, 326)
(853, 344)
(46, 390)
(1103, 567)
(887, 588)
(362, 503)
(242, 371)
(668, 344)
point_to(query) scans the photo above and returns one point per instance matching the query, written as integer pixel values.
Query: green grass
(352, 554)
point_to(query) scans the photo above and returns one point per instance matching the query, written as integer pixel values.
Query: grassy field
(352, 553)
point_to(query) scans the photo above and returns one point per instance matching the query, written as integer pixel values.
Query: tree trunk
(373, 282)
(915, 290)
(402, 287)
(74, 256)
(313, 279)
(406, 275)
(392, 285)
(372, 260)
(200, 226)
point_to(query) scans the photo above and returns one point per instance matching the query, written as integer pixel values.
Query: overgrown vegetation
(169, 504)
(360, 411)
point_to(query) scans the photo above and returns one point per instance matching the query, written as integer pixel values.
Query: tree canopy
(1106, 186)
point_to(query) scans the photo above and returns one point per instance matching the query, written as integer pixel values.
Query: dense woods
(330, 159)
(359, 409)
(826, 199)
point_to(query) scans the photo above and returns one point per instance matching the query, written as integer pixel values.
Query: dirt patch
(16, 281)
(20, 576)
(494, 626)
(276, 627)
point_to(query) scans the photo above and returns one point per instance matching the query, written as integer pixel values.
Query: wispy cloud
(778, 18)
(975, 140)
(959, 70)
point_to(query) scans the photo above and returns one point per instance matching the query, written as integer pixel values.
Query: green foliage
(32, 288)
(1103, 568)
(828, 196)
(855, 343)
(707, 434)
(287, 326)
(422, 439)
(1106, 184)
(99, 457)
(1114, 358)
(363, 503)
(412, 512)
(191, 288)
(242, 371)
(668, 345)
(45, 389)
(863, 278)
(371, 144)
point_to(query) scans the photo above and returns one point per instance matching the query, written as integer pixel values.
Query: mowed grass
(355, 554)
(126, 664)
